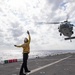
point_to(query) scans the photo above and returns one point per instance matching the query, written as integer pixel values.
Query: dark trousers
(24, 64)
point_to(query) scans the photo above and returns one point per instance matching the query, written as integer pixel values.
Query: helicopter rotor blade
(48, 22)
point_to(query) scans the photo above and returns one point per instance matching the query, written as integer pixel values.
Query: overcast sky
(18, 16)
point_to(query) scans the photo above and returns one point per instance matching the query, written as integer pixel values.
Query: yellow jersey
(26, 46)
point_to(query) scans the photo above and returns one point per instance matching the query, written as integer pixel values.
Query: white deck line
(37, 69)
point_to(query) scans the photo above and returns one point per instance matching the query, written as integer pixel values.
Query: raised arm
(29, 37)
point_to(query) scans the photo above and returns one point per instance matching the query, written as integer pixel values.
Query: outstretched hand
(27, 32)
(15, 45)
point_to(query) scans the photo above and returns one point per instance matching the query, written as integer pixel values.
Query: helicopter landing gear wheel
(60, 34)
(72, 32)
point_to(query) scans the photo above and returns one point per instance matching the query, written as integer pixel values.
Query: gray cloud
(16, 32)
(17, 19)
(1, 34)
(56, 4)
(15, 24)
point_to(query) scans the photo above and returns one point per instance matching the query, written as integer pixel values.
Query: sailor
(26, 51)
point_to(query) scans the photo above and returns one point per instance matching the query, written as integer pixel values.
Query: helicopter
(65, 28)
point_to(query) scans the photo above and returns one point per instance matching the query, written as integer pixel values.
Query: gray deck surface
(64, 67)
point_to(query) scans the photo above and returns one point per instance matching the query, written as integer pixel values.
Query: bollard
(14, 60)
(5, 61)
(10, 61)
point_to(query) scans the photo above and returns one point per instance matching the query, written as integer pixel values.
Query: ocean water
(17, 54)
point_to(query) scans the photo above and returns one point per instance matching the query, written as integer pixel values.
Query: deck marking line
(37, 69)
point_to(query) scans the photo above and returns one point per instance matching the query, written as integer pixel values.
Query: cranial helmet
(25, 40)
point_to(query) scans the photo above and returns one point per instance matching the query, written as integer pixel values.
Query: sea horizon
(17, 54)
